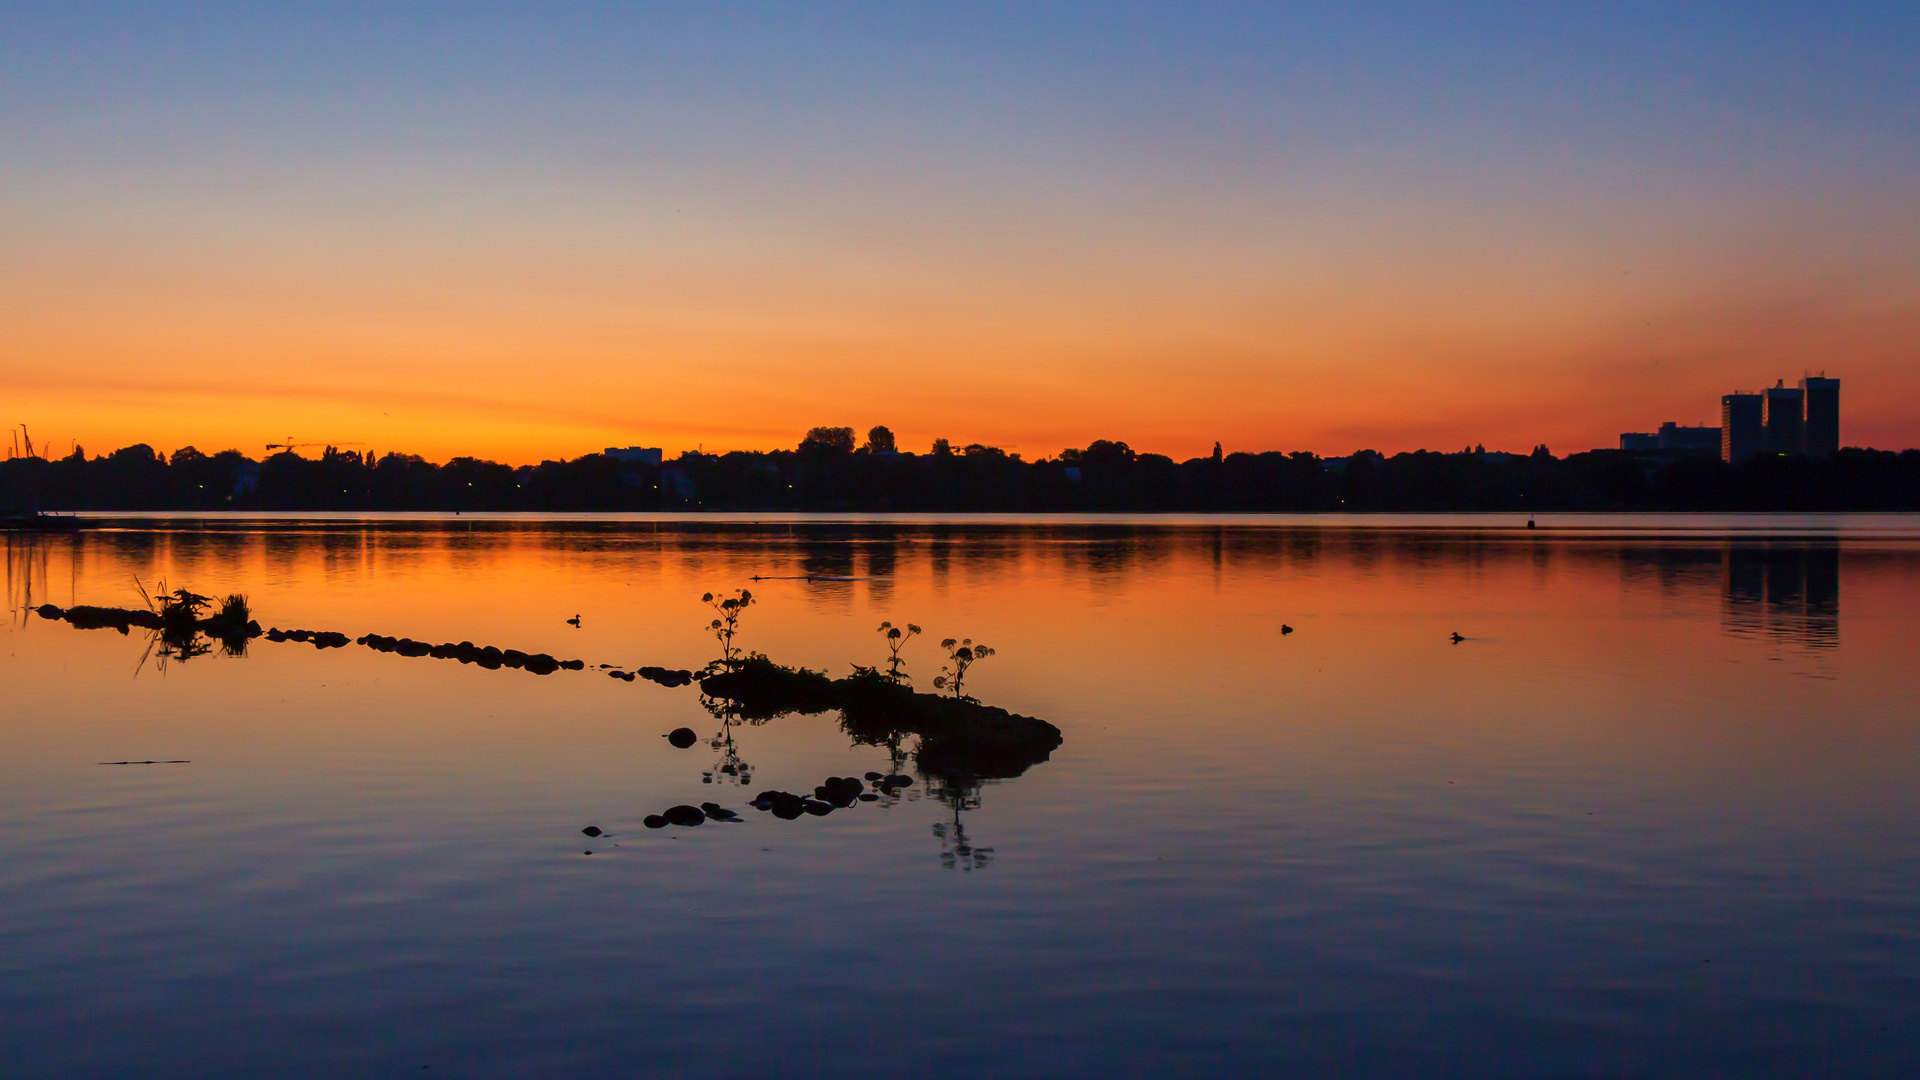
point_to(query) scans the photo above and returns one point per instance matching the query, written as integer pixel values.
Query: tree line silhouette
(829, 472)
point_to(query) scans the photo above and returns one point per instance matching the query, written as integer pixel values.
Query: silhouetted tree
(833, 440)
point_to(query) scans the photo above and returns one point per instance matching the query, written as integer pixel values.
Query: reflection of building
(1784, 589)
(1740, 427)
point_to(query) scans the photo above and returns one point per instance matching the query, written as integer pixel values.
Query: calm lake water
(1657, 815)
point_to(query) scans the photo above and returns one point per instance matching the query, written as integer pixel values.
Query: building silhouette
(1673, 436)
(635, 455)
(1820, 421)
(1741, 427)
(1783, 414)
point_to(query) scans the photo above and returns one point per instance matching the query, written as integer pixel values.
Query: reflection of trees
(26, 568)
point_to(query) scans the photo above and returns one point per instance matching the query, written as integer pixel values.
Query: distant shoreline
(1105, 478)
(1859, 524)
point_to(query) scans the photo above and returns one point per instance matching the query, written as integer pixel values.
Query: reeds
(234, 610)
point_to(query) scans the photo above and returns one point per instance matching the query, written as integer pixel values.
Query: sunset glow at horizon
(522, 234)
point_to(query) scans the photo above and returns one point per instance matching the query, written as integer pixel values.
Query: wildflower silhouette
(896, 639)
(961, 655)
(728, 624)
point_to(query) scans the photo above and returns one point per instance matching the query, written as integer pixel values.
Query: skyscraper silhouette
(1820, 423)
(1740, 427)
(1783, 414)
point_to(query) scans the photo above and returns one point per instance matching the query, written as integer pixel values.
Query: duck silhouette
(1285, 629)
(1457, 639)
(575, 621)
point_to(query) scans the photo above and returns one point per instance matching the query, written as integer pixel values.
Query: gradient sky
(522, 232)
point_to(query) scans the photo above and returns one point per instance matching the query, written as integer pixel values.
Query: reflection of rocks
(835, 793)
(89, 617)
(689, 816)
(783, 804)
(684, 815)
(319, 639)
(176, 631)
(467, 652)
(840, 791)
(664, 676)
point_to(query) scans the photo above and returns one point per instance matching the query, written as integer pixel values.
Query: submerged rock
(783, 804)
(654, 821)
(841, 791)
(684, 815)
(591, 830)
(681, 738)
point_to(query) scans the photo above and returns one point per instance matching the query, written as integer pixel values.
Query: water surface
(1655, 815)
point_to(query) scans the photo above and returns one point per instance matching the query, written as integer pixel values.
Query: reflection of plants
(184, 632)
(957, 849)
(729, 767)
(724, 628)
(961, 655)
(896, 640)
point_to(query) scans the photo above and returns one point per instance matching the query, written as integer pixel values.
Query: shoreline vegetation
(828, 473)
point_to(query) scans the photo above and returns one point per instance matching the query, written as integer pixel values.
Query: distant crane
(290, 445)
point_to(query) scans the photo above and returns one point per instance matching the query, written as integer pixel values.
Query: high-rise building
(1820, 422)
(1741, 427)
(1783, 415)
(1639, 440)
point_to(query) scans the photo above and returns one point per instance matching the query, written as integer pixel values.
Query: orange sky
(1118, 254)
